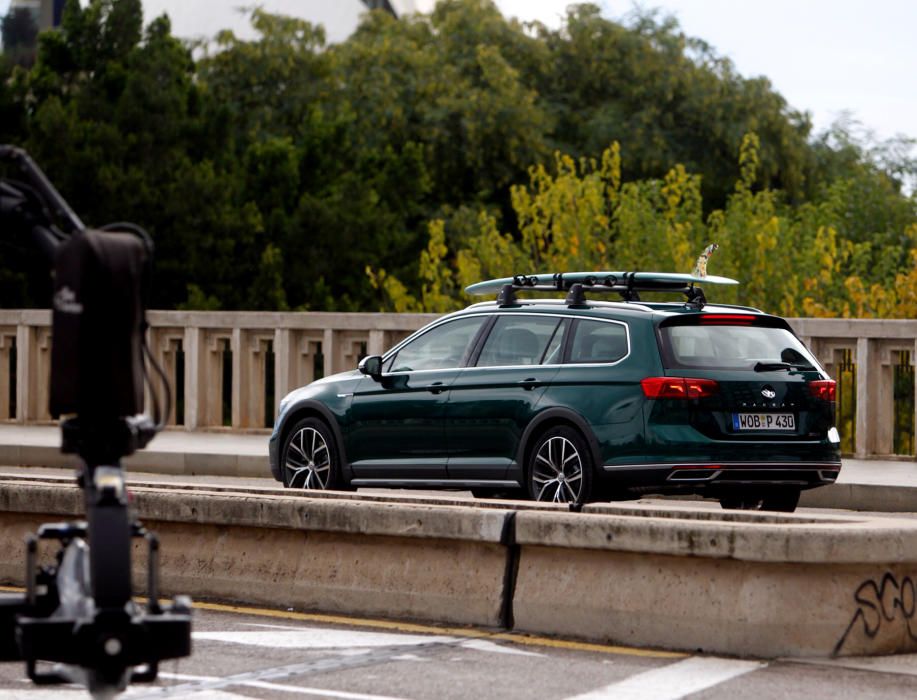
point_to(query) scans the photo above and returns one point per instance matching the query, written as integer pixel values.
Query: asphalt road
(249, 653)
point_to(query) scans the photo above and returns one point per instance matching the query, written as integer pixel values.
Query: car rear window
(598, 342)
(732, 347)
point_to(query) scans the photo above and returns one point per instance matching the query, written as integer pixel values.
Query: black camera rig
(78, 620)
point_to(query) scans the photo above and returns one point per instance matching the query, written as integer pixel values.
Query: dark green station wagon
(575, 399)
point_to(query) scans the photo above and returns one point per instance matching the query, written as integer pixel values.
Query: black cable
(159, 418)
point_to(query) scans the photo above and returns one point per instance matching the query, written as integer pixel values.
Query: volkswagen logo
(768, 392)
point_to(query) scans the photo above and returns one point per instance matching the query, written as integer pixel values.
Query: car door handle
(437, 387)
(529, 384)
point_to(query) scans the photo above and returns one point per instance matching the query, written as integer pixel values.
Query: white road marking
(348, 640)
(675, 680)
(491, 648)
(208, 695)
(317, 638)
(300, 690)
(43, 694)
(905, 664)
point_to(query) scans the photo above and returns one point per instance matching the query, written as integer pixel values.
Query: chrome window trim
(497, 312)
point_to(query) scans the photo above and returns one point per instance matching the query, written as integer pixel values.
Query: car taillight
(825, 389)
(678, 388)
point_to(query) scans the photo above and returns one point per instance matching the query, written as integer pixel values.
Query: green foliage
(790, 260)
(437, 150)
(19, 36)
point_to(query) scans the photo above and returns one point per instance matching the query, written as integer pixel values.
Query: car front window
(442, 347)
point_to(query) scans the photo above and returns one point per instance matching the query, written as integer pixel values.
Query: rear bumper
(696, 477)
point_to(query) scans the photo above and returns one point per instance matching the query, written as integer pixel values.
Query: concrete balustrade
(876, 348)
(204, 352)
(258, 357)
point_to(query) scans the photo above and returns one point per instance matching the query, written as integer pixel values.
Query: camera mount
(78, 620)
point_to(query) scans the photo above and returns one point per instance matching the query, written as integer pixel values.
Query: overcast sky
(824, 56)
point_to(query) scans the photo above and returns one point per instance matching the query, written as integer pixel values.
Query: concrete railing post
(866, 396)
(33, 371)
(165, 344)
(329, 350)
(284, 369)
(249, 362)
(218, 341)
(194, 370)
(7, 371)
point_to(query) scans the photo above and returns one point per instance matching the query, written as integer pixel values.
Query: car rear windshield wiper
(775, 366)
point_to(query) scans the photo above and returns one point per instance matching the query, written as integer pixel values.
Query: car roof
(615, 309)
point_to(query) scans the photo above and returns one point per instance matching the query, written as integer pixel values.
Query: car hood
(319, 386)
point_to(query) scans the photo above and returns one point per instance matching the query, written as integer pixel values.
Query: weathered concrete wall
(781, 586)
(678, 577)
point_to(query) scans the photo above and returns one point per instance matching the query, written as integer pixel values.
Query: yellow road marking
(414, 628)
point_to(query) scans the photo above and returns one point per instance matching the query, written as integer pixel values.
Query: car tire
(309, 459)
(560, 467)
(781, 501)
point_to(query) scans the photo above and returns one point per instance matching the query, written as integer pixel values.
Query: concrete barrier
(680, 577)
(740, 583)
(366, 558)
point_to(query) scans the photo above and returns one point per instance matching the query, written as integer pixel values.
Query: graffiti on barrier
(882, 603)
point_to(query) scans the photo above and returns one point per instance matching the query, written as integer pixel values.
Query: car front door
(396, 430)
(491, 402)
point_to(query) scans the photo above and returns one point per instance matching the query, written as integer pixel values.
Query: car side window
(598, 342)
(519, 340)
(441, 347)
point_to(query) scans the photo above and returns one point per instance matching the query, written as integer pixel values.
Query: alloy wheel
(308, 460)
(557, 472)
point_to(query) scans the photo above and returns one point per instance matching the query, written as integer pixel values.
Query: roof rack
(628, 284)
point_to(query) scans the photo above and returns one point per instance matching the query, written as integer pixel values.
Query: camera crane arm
(37, 193)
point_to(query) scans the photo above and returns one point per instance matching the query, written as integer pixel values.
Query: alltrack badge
(768, 392)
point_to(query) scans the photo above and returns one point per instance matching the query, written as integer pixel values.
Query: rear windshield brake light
(678, 388)
(727, 320)
(825, 389)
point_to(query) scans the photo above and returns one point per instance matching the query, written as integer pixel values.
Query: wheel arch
(314, 409)
(551, 418)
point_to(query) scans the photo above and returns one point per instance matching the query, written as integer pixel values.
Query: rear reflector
(825, 389)
(678, 388)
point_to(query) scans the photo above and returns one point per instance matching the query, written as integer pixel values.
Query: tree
(20, 34)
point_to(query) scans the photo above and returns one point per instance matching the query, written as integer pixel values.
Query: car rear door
(491, 402)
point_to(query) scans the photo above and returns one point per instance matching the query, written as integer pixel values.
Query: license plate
(763, 421)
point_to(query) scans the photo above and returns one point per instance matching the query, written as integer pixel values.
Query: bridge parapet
(229, 368)
(225, 368)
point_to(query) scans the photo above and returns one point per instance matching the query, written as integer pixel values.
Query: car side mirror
(371, 365)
